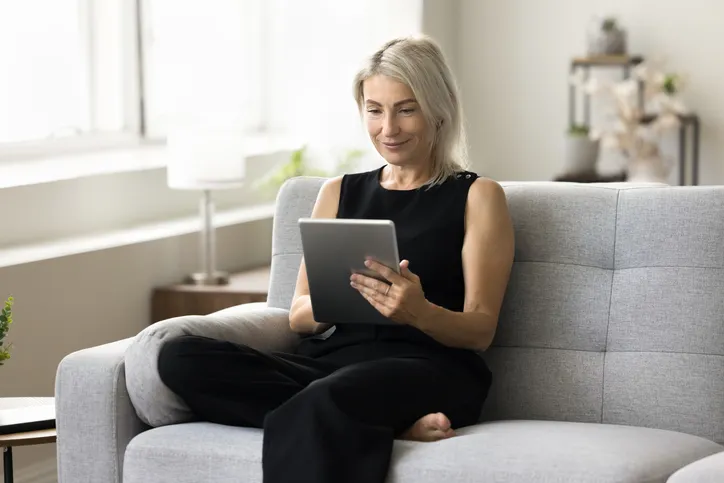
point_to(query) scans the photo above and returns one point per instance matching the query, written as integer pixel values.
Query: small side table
(31, 412)
(186, 299)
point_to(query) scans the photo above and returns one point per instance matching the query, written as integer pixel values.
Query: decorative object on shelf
(6, 319)
(632, 131)
(580, 72)
(606, 37)
(299, 165)
(206, 158)
(581, 153)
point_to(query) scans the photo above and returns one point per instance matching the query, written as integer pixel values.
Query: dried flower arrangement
(643, 108)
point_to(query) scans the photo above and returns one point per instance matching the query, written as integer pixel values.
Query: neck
(404, 177)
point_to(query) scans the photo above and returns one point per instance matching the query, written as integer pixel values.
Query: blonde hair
(419, 63)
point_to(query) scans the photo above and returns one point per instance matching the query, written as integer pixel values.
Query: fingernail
(367, 263)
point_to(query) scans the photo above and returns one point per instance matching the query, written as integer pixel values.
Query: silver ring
(388, 290)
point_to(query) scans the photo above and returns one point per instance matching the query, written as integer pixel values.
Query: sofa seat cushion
(707, 470)
(510, 451)
(194, 452)
(550, 451)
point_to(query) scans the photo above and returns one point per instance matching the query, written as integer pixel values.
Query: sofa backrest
(615, 308)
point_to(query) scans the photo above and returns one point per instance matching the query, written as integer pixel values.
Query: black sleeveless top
(430, 227)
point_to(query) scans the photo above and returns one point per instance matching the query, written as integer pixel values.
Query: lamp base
(203, 278)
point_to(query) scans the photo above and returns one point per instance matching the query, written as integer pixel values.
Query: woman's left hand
(402, 301)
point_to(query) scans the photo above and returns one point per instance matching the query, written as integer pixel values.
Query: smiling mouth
(394, 145)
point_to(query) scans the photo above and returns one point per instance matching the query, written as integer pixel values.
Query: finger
(405, 270)
(380, 307)
(372, 294)
(365, 281)
(385, 271)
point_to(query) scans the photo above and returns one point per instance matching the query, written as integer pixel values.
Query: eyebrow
(398, 103)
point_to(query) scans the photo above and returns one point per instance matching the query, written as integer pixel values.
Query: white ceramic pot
(581, 155)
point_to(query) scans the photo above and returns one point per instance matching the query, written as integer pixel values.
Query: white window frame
(135, 26)
(96, 13)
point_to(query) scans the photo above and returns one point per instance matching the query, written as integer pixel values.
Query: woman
(332, 410)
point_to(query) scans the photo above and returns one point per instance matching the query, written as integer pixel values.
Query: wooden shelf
(607, 60)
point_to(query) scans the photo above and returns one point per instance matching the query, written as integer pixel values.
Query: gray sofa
(608, 363)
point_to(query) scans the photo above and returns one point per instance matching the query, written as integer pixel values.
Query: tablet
(334, 248)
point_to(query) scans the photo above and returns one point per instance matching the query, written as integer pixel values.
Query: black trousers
(323, 422)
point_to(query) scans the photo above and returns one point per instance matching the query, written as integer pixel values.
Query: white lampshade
(205, 158)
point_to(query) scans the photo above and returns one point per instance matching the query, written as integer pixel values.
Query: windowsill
(84, 201)
(128, 157)
(140, 234)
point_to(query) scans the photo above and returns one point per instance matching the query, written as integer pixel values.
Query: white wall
(513, 58)
(70, 303)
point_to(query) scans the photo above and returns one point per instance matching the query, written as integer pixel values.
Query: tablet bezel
(333, 249)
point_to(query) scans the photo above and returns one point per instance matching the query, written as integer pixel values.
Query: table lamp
(206, 159)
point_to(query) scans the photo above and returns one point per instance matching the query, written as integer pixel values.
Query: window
(204, 59)
(66, 70)
(90, 72)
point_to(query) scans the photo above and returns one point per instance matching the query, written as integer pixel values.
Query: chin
(396, 159)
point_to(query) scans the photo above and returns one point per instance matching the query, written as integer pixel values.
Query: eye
(407, 110)
(373, 110)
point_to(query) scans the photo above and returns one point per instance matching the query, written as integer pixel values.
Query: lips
(394, 145)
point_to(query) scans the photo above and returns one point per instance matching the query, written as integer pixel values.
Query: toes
(441, 422)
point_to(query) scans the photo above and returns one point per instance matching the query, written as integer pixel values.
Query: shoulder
(486, 189)
(331, 187)
(328, 198)
(487, 196)
(480, 188)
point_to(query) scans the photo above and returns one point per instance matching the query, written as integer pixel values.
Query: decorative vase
(581, 154)
(647, 170)
(606, 37)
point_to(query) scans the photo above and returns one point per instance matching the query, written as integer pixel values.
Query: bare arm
(301, 319)
(488, 253)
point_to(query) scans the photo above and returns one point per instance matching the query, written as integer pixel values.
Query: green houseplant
(299, 165)
(6, 319)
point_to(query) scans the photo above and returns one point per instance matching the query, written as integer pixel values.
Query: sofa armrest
(255, 325)
(705, 470)
(94, 416)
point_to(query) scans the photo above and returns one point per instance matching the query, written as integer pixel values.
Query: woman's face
(394, 121)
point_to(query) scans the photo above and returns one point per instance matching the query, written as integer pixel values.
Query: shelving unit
(623, 62)
(626, 63)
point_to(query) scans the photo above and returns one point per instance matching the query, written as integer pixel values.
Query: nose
(390, 128)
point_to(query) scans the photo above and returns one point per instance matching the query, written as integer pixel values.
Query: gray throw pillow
(265, 329)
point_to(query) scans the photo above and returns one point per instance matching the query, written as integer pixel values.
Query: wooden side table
(28, 412)
(181, 299)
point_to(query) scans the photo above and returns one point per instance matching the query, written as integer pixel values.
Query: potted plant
(6, 319)
(606, 37)
(299, 165)
(581, 152)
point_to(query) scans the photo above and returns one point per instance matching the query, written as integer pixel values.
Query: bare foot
(433, 427)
